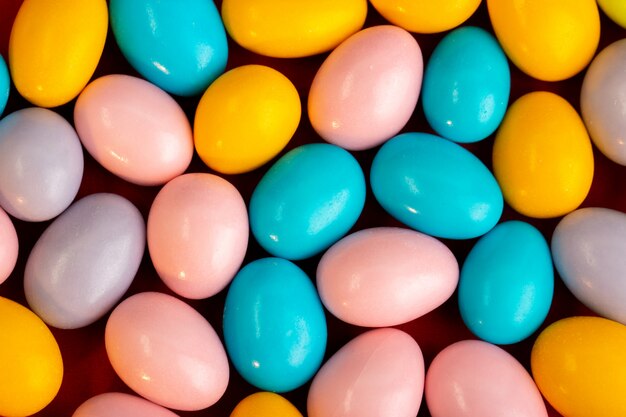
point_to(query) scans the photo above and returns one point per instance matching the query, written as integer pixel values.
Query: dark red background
(87, 370)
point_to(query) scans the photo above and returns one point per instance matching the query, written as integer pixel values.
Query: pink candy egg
(8, 246)
(367, 88)
(473, 378)
(197, 234)
(378, 373)
(167, 352)
(134, 129)
(120, 405)
(386, 276)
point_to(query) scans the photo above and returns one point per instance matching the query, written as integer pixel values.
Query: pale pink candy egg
(473, 378)
(367, 88)
(8, 246)
(134, 129)
(378, 373)
(386, 276)
(166, 352)
(118, 404)
(197, 234)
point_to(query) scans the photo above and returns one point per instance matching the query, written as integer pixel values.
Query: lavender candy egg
(84, 262)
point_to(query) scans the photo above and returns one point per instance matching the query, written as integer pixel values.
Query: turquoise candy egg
(466, 85)
(178, 45)
(307, 200)
(5, 84)
(274, 325)
(435, 186)
(506, 283)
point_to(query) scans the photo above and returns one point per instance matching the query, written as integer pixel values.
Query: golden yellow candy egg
(292, 28)
(245, 118)
(550, 40)
(55, 47)
(542, 156)
(579, 365)
(614, 9)
(31, 368)
(265, 404)
(426, 16)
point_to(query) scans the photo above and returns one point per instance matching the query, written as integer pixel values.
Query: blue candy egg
(274, 325)
(506, 283)
(466, 85)
(435, 186)
(5, 84)
(178, 45)
(307, 200)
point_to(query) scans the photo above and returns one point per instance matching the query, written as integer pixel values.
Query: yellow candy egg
(426, 16)
(245, 118)
(614, 9)
(542, 156)
(292, 28)
(579, 365)
(55, 47)
(31, 368)
(548, 40)
(265, 404)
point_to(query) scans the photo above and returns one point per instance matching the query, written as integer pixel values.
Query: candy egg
(425, 16)
(197, 234)
(588, 248)
(120, 405)
(181, 47)
(386, 276)
(473, 378)
(274, 325)
(466, 85)
(166, 351)
(367, 88)
(41, 164)
(9, 246)
(245, 118)
(300, 207)
(134, 129)
(435, 186)
(85, 261)
(378, 373)
(579, 364)
(5, 84)
(507, 283)
(265, 404)
(615, 9)
(542, 156)
(55, 47)
(550, 41)
(603, 98)
(31, 367)
(292, 29)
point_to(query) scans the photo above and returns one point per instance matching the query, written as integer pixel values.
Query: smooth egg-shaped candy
(367, 88)
(548, 40)
(55, 47)
(5, 84)
(134, 129)
(292, 29)
(9, 246)
(181, 47)
(588, 247)
(435, 186)
(426, 16)
(197, 234)
(386, 276)
(466, 85)
(166, 352)
(473, 378)
(603, 99)
(41, 164)
(542, 156)
(265, 404)
(120, 405)
(579, 364)
(31, 367)
(274, 325)
(300, 207)
(84, 262)
(378, 373)
(245, 118)
(507, 283)
(615, 9)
